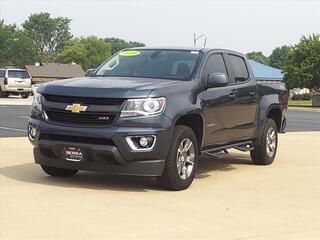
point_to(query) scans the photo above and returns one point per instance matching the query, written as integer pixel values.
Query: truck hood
(106, 87)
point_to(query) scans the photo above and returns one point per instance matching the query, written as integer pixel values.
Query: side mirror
(89, 72)
(216, 80)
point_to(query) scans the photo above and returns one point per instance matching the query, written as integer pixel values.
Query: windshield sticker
(194, 52)
(129, 53)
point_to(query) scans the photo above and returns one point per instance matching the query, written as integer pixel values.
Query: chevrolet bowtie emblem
(76, 108)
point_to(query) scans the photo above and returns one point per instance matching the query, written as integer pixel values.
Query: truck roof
(13, 69)
(170, 48)
(202, 49)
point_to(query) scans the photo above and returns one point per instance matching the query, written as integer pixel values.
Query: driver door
(218, 104)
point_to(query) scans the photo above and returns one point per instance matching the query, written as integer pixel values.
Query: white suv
(15, 81)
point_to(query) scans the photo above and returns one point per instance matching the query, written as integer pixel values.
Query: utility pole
(195, 38)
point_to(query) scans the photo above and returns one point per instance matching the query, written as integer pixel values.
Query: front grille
(83, 100)
(76, 139)
(89, 119)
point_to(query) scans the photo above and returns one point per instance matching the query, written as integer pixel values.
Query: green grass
(300, 103)
(303, 104)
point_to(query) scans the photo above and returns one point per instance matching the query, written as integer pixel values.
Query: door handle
(232, 95)
(252, 93)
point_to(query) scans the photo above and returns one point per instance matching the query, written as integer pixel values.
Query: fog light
(143, 142)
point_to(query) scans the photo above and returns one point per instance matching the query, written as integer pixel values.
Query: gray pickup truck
(153, 112)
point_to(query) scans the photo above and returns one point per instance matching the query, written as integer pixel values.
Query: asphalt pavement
(14, 118)
(303, 120)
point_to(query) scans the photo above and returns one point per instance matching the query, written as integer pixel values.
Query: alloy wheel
(185, 158)
(271, 142)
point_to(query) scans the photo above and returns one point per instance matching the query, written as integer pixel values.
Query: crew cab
(15, 82)
(153, 112)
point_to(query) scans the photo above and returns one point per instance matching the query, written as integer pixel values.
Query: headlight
(143, 107)
(37, 102)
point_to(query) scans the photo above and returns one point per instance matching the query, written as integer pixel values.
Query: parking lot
(230, 198)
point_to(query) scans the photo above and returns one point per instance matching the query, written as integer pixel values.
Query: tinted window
(18, 74)
(160, 64)
(2, 73)
(239, 68)
(215, 64)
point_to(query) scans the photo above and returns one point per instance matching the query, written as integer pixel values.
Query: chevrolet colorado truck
(153, 112)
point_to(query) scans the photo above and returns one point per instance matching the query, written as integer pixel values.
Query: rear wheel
(4, 94)
(181, 161)
(59, 172)
(265, 152)
(24, 95)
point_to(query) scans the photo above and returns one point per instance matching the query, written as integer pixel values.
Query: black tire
(170, 178)
(260, 154)
(58, 172)
(24, 95)
(4, 94)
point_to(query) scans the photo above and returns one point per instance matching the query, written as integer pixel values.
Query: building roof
(55, 70)
(264, 72)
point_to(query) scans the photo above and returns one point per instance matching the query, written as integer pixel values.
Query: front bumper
(114, 156)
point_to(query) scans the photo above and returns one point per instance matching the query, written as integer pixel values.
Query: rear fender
(267, 103)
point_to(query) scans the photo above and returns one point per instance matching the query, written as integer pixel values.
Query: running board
(217, 154)
(221, 152)
(244, 148)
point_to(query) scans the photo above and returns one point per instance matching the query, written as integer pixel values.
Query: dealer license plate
(73, 154)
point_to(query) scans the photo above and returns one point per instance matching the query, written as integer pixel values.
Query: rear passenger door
(246, 98)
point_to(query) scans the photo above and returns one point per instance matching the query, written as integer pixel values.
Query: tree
(49, 34)
(258, 57)
(119, 44)
(89, 52)
(16, 47)
(303, 67)
(72, 52)
(6, 36)
(97, 51)
(279, 57)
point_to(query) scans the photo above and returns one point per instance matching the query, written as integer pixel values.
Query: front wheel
(265, 152)
(58, 172)
(181, 161)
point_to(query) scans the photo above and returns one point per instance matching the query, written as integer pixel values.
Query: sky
(244, 26)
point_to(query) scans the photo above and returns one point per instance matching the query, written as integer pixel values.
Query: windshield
(163, 64)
